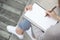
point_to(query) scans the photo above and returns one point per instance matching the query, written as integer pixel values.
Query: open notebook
(37, 17)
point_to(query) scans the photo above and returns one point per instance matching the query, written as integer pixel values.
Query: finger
(26, 9)
(47, 14)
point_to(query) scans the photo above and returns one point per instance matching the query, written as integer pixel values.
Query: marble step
(3, 26)
(10, 15)
(14, 37)
(2, 38)
(23, 2)
(15, 4)
(12, 9)
(3, 1)
(6, 21)
(4, 35)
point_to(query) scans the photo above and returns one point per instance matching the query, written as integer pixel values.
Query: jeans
(24, 25)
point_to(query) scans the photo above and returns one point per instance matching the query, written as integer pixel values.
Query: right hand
(29, 7)
(52, 14)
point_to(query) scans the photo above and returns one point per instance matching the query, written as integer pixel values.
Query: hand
(29, 7)
(52, 14)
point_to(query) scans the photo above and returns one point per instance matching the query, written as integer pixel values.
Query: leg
(18, 31)
(13, 29)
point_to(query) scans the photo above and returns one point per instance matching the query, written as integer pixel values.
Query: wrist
(58, 18)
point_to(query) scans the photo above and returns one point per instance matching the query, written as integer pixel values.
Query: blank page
(37, 17)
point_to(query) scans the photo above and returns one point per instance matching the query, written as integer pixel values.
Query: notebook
(37, 17)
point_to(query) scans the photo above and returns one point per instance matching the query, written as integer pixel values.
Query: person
(22, 26)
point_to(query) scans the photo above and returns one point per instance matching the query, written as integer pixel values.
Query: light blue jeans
(24, 25)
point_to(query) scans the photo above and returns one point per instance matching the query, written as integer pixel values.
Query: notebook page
(37, 15)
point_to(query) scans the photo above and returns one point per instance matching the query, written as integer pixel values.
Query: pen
(51, 10)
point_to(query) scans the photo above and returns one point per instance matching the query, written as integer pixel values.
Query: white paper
(37, 16)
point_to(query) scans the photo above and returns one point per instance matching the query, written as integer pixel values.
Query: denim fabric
(24, 25)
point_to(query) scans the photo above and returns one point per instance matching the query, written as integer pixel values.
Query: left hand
(29, 7)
